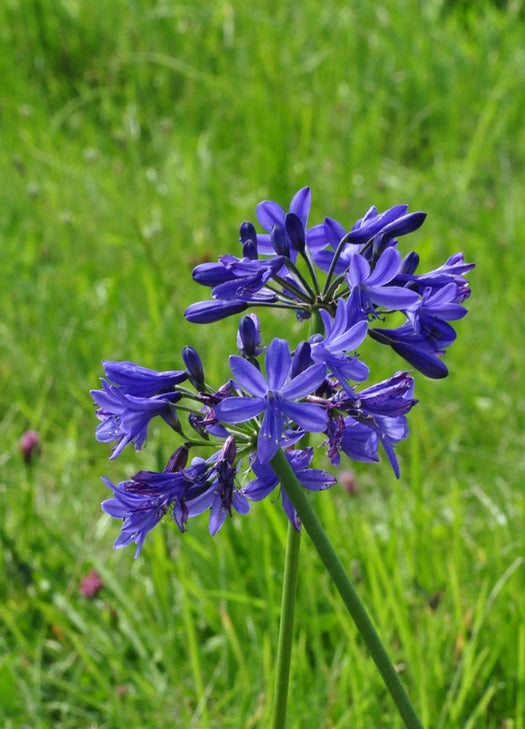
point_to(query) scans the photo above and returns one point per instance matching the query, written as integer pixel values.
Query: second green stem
(284, 650)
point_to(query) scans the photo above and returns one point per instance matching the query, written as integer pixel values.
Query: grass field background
(134, 139)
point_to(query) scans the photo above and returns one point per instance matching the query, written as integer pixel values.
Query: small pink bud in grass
(348, 481)
(30, 446)
(91, 584)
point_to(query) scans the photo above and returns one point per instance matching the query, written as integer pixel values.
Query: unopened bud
(279, 241)
(30, 446)
(193, 367)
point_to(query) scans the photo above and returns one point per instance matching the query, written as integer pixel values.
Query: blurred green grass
(133, 141)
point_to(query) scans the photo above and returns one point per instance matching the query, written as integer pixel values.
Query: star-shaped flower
(276, 398)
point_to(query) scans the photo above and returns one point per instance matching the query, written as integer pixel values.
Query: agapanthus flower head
(347, 282)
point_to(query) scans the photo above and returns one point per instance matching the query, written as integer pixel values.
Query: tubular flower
(142, 502)
(132, 379)
(126, 418)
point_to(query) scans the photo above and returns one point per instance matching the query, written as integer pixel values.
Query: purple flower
(143, 501)
(436, 303)
(356, 440)
(369, 289)
(265, 480)
(132, 379)
(341, 336)
(219, 494)
(384, 430)
(91, 584)
(270, 214)
(374, 415)
(391, 397)
(452, 271)
(418, 348)
(126, 417)
(378, 228)
(30, 446)
(275, 397)
(248, 277)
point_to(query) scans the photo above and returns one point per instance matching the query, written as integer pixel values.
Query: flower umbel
(348, 282)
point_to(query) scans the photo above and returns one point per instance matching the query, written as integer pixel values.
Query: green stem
(346, 589)
(284, 649)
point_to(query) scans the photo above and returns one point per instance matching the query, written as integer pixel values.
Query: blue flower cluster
(345, 283)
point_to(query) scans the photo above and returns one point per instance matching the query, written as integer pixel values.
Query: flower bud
(295, 230)
(30, 446)
(193, 367)
(249, 241)
(279, 241)
(179, 459)
(249, 336)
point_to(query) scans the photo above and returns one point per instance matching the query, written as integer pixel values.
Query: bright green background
(134, 138)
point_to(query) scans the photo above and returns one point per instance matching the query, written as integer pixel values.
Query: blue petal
(300, 204)
(315, 238)
(278, 363)
(358, 270)
(334, 232)
(218, 515)
(306, 383)
(211, 274)
(386, 268)
(307, 415)
(290, 511)
(393, 297)
(350, 340)
(259, 488)
(248, 376)
(315, 480)
(423, 360)
(239, 409)
(240, 503)
(404, 224)
(270, 434)
(269, 213)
